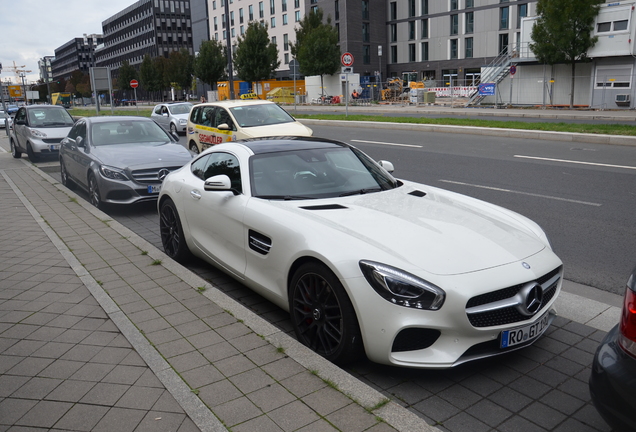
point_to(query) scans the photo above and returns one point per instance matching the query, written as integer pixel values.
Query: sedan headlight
(113, 173)
(36, 133)
(402, 288)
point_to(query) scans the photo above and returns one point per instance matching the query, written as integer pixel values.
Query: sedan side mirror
(387, 165)
(221, 183)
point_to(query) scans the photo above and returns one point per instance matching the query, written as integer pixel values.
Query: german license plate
(154, 188)
(54, 147)
(520, 335)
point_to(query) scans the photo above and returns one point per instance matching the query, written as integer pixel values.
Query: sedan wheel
(173, 128)
(322, 314)
(93, 192)
(64, 176)
(172, 237)
(194, 148)
(14, 151)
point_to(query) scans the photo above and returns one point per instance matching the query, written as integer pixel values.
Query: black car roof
(278, 144)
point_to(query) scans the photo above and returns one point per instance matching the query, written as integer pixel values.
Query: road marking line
(523, 193)
(386, 143)
(576, 162)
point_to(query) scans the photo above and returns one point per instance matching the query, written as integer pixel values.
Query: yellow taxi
(230, 120)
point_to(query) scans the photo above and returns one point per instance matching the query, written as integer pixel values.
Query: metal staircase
(495, 72)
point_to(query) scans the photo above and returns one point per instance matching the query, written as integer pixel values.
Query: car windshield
(49, 117)
(260, 115)
(180, 109)
(317, 173)
(128, 132)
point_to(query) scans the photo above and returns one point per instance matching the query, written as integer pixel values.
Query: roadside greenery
(590, 128)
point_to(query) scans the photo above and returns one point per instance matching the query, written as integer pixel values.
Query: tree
(563, 32)
(179, 69)
(211, 62)
(149, 75)
(126, 73)
(316, 47)
(255, 57)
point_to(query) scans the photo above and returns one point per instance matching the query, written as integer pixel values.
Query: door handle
(195, 194)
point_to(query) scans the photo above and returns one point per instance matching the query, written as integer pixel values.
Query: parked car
(216, 122)
(172, 117)
(38, 130)
(4, 119)
(409, 274)
(613, 377)
(12, 109)
(119, 160)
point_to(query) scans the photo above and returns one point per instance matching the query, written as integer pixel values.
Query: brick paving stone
(44, 414)
(271, 397)
(81, 417)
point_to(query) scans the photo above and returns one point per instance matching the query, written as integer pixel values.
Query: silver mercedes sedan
(119, 160)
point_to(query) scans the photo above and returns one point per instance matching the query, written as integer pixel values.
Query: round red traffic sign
(347, 59)
(513, 70)
(134, 83)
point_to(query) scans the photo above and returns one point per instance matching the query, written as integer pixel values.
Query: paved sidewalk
(100, 331)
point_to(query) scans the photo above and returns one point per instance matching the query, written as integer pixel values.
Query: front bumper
(612, 384)
(46, 145)
(445, 338)
(126, 192)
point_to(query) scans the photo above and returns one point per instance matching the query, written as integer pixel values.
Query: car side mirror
(386, 165)
(219, 183)
(223, 126)
(165, 114)
(79, 141)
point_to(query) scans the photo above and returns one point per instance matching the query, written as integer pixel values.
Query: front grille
(150, 176)
(509, 315)
(52, 140)
(411, 339)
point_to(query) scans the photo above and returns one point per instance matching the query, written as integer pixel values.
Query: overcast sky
(32, 29)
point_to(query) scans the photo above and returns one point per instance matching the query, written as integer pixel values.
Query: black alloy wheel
(172, 237)
(14, 151)
(322, 314)
(93, 192)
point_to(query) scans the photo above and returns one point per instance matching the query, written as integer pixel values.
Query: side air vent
(259, 243)
(417, 193)
(324, 207)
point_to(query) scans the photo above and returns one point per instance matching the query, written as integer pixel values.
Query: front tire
(322, 314)
(66, 181)
(173, 129)
(17, 154)
(33, 157)
(172, 237)
(93, 192)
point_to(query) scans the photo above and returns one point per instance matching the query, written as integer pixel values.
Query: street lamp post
(22, 76)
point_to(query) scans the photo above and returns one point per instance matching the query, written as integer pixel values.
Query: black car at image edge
(613, 378)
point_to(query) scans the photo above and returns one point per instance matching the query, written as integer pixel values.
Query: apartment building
(76, 54)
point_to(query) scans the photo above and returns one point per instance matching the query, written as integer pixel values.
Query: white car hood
(441, 233)
(282, 129)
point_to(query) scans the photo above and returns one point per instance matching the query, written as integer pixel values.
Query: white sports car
(409, 274)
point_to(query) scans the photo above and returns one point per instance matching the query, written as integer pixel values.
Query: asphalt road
(581, 194)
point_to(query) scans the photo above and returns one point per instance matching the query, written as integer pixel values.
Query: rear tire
(322, 314)
(194, 148)
(17, 154)
(172, 237)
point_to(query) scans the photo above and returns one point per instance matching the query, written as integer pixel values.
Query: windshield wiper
(361, 192)
(283, 197)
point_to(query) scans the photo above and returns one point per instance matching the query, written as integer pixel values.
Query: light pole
(22, 76)
(4, 107)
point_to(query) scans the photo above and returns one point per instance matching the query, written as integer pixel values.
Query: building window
(284, 19)
(411, 30)
(454, 24)
(286, 58)
(242, 30)
(261, 10)
(284, 5)
(424, 51)
(393, 32)
(365, 9)
(214, 5)
(424, 7)
(394, 57)
(393, 11)
(241, 16)
(216, 26)
(468, 52)
(470, 22)
(411, 8)
(297, 16)
(366, 54)
(453, 5)
(286, 42)
(273, 22)
(296, 4)
(412, 52)
(233, 32)
(503, 18)
(337, 9)
(274, 40)
(272, 7)
(470, 4)
(365, 32)
(615, 26)
(232, 18)
(522, 12)
(453, 48)
(424, 28)
(503, 43)
(251, 12)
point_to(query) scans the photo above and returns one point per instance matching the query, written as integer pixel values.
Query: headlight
(113, 173)
(402, 288)
(36, 133)
(183, 121)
